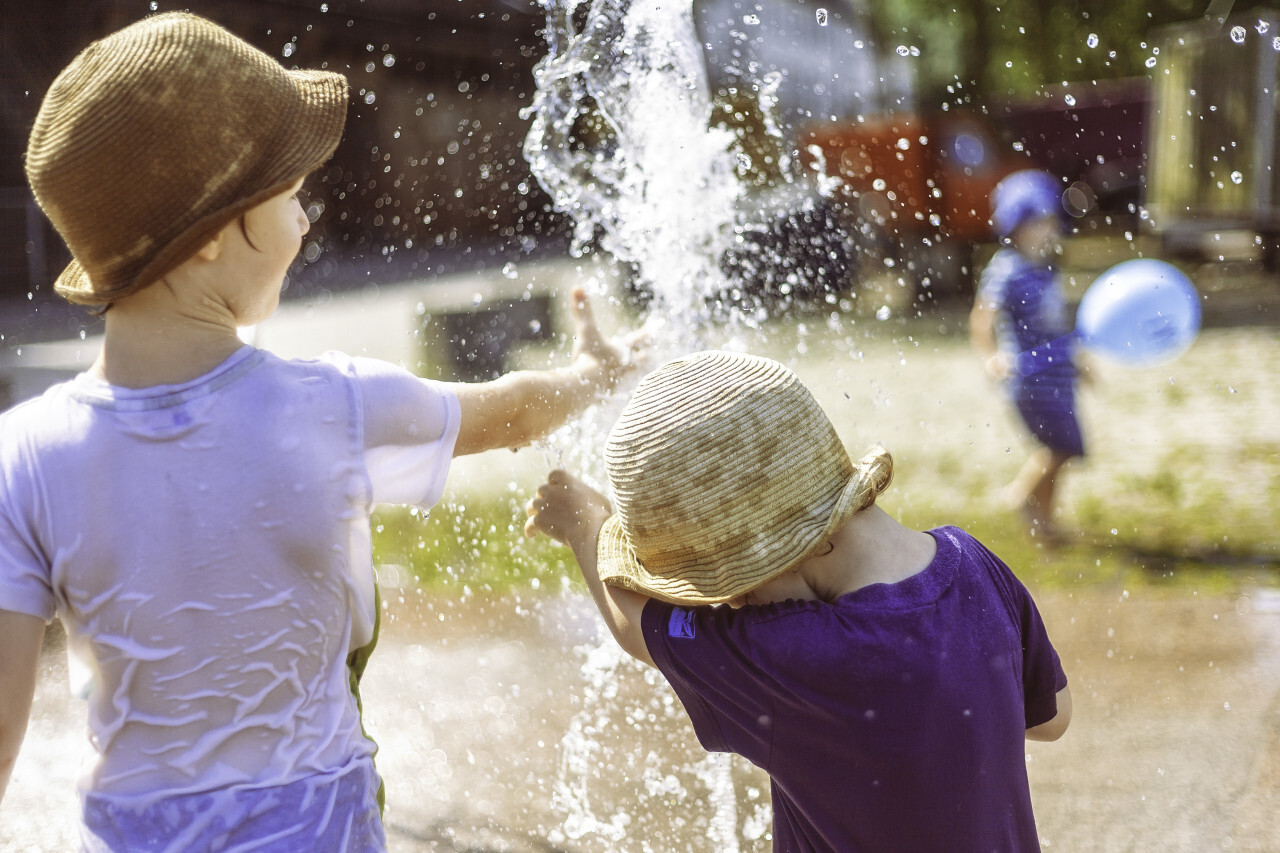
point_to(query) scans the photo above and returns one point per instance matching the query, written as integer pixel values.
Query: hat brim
(618, 565)
(307, 135)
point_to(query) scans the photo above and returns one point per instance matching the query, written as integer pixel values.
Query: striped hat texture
(725, 473)
(157, 136)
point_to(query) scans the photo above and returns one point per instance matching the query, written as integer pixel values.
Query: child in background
(884, 677)
(1019, 328)
(196, 511)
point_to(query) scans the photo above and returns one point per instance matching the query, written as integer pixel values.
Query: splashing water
(678, 164)
(624, 135)
(620, 139)
(703, 791)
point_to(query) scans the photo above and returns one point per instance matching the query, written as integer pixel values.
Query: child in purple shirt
(884, 677)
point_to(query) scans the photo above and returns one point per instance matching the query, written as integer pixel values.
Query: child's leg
(1032, 490)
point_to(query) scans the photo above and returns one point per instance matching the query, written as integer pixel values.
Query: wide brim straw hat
(725, 473)
(156, 137)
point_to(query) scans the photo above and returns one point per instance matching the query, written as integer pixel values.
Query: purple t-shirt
(892, 719)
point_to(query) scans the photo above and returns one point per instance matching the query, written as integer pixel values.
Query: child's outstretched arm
(20, 637)
(570, 511)
(523, 406)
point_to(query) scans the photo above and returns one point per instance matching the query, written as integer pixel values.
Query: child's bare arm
(570, 511)
(526, 405)
(1056, 727)
(20, 637)
(982, 337)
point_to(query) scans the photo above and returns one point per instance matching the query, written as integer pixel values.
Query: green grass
(1181, 486)
(479, 547)
(474, 547)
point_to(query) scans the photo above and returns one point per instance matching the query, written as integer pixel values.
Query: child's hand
(567, 510)
(600, 359)
(999, 366)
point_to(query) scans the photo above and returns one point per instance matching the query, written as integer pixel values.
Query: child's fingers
(535, 522)
(580, 309)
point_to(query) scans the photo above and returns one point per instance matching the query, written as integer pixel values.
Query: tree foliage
(985, 49)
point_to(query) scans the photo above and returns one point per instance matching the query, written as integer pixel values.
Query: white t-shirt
(207, 548)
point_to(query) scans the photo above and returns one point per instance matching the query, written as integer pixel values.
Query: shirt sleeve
(25, 575)
(410, 428)
(1042, 673)
(703, 653)
(992, 283)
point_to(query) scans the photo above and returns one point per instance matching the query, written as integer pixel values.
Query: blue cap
(1023, 196)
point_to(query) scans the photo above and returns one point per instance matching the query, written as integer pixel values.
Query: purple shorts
(1047, 404)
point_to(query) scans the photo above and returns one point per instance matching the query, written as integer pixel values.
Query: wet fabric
(891, 719)
(207, 548)
(1033, 326)
(318, 813)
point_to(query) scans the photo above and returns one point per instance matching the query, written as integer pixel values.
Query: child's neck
(871, 548)
(149, 344)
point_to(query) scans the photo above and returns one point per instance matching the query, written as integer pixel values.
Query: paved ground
(504, 729)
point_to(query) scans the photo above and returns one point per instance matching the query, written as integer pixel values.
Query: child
(196, 511)
(885, 678)
(1019, 326)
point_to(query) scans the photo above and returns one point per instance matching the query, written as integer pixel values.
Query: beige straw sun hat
(725, 473)
(157, 136)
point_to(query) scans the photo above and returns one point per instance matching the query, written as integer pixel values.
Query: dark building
(428, 178)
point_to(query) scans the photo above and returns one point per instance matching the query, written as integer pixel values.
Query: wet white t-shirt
(207, 548)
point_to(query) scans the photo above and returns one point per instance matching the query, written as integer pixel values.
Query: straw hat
(160, 134)
(725, 473)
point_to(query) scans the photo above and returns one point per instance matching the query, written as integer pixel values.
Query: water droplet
(1151, 62)
(1236, 177)
(1262, 27)
(754, 20)
(509, 271)
(903, 50)
(370, 97)
(388, 60)
(1275, 43)
(883, 312)
(1238, 34)
(1071, 100)
(822, 17)
(287, 50)
(324, 7)
(1092, 40)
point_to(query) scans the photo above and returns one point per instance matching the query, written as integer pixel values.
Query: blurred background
(1160, 119)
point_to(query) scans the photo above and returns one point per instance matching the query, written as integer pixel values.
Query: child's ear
(211, 250)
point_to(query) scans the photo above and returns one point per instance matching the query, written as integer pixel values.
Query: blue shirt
(1031, 314)
(891, 719)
